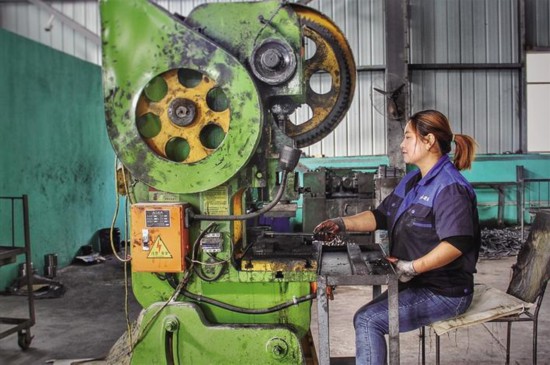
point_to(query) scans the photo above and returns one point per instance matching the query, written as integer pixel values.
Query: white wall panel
(538, 67)
(538, 102)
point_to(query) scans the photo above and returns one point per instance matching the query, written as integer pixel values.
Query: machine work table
(354, 267)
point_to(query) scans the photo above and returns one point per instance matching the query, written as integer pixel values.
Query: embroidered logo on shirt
(425, 198)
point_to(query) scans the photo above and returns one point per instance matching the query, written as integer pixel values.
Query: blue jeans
(417, 307)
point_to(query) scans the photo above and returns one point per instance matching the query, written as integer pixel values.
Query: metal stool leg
(535, 326)
(508, 340)
(437, 360)
(423, 341)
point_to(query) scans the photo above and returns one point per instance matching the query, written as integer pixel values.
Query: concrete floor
(89, 318)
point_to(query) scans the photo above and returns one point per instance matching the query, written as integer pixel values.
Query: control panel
(159, 237)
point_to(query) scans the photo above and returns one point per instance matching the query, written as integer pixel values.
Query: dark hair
(434, 122)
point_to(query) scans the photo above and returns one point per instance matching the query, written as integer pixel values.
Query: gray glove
(405, 270)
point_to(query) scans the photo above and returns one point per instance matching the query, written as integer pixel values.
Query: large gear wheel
(333, 55)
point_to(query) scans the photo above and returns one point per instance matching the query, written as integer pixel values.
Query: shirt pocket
(421, 217)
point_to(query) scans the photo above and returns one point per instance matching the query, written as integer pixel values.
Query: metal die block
(346, 206)
(159, 238)
(313, 212)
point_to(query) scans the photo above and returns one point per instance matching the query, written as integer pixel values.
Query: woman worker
(433, 227)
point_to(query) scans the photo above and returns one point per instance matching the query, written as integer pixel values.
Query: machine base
(178, 333)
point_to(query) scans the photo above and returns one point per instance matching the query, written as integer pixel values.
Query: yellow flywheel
(183, 116)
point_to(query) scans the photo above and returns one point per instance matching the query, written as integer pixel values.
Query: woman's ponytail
(465, 150)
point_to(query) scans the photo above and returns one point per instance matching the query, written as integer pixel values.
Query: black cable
(278, 307)
(200, 273)
(171, 278)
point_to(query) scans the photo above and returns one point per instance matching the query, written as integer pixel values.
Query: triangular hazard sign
(159, 250)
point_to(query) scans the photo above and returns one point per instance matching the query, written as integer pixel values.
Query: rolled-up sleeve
(381, 220)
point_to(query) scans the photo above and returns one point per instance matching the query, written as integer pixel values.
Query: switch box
(160, 240)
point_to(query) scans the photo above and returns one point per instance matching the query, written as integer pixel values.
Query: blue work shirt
(424, 211)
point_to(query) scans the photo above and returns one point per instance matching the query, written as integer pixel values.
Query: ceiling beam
(79, 28)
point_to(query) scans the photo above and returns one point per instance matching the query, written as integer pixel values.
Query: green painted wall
(54, 148)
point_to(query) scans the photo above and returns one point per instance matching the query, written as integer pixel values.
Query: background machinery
(199, 112)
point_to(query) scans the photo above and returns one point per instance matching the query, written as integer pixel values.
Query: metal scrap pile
(500, 242)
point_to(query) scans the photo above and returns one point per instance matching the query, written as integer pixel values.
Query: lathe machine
(200, 112)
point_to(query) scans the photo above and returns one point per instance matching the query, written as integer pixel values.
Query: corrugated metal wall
(480, 102)
(483, 103)
(538, 24)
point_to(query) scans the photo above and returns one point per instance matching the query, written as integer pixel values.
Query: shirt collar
(443, 160)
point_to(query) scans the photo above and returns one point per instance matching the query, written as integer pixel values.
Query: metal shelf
(8, 255)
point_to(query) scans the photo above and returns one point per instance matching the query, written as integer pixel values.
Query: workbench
(353, 267)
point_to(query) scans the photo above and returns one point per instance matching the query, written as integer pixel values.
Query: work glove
(404, 269)
(327, 230)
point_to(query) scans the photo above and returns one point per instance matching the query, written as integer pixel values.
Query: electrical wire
(194, 252)
(174, 295)
(126, 186)
(127, 259)
(115, 216)
(126, 280)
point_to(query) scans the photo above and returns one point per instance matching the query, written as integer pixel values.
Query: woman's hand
(404, 269)
(327, 230)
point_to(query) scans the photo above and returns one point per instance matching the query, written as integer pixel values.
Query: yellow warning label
(159, 250)
(215, 201)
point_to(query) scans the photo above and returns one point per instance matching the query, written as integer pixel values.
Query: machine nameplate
(162, 196)
(216, 202)
(157, 218)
